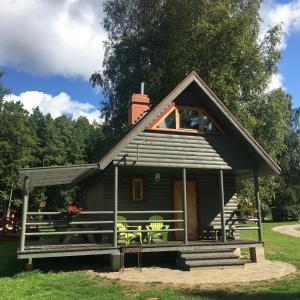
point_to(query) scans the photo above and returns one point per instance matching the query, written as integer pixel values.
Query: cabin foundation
(115, 262)
(257, 255)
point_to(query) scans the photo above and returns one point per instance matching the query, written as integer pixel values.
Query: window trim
(177, 121)
(142, 179)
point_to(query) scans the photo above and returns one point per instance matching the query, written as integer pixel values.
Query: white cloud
(59, 105)
(287, 14)
(276, 82)
(274, 13)
(52, 37)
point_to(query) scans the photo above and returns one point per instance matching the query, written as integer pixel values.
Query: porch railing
(57, 223)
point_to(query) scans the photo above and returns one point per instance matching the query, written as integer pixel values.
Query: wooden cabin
(179, 163)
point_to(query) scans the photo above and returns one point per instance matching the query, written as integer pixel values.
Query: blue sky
(48, 60)
(289, 67)
(78, 88)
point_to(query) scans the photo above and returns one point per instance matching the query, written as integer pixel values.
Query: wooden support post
(257, 200)
(257, 254)
(184, 194)
(24, 212)
(116, 207)
(116, 261)
(222, 205)
(29, 265)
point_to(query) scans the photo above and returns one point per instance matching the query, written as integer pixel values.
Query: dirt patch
(165, 277)
(292, 230)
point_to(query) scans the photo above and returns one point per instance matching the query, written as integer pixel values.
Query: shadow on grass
(246, 295)
(10, 265)
(283, 289)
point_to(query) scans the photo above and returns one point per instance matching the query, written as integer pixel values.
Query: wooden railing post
(184, 205)
(116, 206)
(257, 200)
(24, 212)
(221, 182)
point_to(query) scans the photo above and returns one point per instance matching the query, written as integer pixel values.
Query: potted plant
(70, 211)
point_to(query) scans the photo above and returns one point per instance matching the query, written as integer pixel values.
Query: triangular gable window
(187, 119)
(169, 121)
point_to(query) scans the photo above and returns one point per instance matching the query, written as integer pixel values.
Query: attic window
(188, 119)
(169, 121)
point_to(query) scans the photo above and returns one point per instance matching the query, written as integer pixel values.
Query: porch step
(208, 250)
(214, 262)
(209, 255)
(215, 256)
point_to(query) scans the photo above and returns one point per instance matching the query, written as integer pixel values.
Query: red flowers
(73, 209)
(42, 204)
(70, 212)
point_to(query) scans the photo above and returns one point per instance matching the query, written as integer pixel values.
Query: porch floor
(47, 248)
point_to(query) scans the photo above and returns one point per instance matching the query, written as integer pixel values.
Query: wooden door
(192, 208)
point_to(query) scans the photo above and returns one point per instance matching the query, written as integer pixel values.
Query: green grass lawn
(72, 284)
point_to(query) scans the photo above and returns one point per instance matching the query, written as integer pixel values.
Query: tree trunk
(9, 203)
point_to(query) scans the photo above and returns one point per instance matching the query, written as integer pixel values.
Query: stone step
(208, 255)
(213, 262)
(208, 250)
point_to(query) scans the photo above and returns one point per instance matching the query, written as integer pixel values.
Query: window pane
(189, 119)
(208, 125)
(169, 121)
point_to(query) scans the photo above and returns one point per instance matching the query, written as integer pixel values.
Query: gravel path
(247, 273)
(289, 229)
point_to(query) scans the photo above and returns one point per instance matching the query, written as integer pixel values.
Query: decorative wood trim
(164, 114)
(171, 108)
(213, 121)
(177, 122)
(185, 131)
(143, 188)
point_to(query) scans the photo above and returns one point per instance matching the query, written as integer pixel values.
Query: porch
(205, 253)
(95, 232)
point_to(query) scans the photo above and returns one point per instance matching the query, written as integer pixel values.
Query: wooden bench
(216, 230)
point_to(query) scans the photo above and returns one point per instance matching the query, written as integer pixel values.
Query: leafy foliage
(287, 201)
(148, 42)
(16, 141)
(36, 140)
(159, 42)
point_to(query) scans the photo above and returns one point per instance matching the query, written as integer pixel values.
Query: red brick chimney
(139, 104)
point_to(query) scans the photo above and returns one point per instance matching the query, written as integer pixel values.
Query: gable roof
(146, 120)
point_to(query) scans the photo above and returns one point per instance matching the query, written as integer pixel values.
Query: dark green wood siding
(175, 150)
(159, 194)
(95, 193)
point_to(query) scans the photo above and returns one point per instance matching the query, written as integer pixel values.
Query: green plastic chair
(128, 236)
(157, 226)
